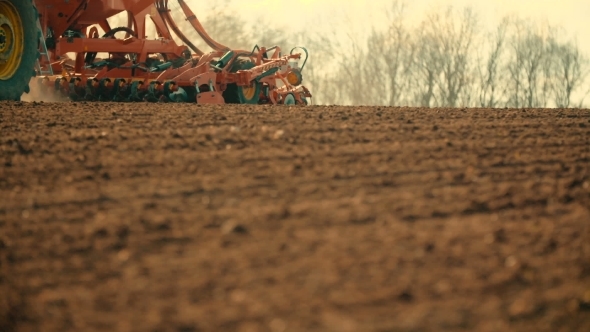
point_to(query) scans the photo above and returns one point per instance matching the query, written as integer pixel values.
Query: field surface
(185, 218)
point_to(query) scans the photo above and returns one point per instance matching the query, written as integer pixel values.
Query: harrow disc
(179, 96)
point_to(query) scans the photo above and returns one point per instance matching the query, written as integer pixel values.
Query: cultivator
(136, 68)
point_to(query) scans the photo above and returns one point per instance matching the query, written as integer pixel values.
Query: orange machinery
(137, 68)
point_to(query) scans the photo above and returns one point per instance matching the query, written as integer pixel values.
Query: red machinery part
(182, 72)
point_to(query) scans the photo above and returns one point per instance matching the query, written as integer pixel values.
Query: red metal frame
(195, 70)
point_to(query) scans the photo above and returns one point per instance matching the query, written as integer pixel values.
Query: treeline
(446, 60)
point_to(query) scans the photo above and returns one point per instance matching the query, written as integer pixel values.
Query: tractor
(37, 38)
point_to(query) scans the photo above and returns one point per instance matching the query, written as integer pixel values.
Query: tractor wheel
(235, 94)
(18, 47)
(289, 99)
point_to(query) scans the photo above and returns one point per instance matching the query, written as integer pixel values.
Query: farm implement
(122, 64)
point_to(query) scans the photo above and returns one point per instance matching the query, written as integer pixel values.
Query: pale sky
(573, 15)
(328, 15)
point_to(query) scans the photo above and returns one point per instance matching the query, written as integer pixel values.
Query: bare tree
(444, 57)
(317, 74)
(426, 72)
(528, 67)
(569, 71)
(389, 59)
(489, 69)
(348, 58)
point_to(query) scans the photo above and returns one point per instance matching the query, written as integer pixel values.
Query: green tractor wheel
(289, 99)
(235, 94)
(18, 47)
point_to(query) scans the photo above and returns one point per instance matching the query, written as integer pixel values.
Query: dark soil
(166, 217)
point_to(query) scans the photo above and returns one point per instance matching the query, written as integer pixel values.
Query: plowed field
(166, 217)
